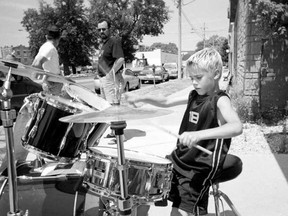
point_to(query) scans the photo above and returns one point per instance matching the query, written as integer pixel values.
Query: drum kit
(64, 135)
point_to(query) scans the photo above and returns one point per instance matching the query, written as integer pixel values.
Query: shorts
(111, 90)
(185, 192)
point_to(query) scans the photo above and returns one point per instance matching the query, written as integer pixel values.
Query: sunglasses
(102, 29)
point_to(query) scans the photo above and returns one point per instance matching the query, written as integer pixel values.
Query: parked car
(21, 88)
(147, 74)
(131, 80)
(172, 69)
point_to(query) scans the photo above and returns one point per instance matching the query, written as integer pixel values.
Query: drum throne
(232, 167)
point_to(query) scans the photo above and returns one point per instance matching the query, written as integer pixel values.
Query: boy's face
(204, 82)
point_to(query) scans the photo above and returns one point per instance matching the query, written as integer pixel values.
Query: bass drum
(49, 195)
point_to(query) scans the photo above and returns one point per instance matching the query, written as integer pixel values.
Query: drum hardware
(38, 162)
(124, 202)
(7, 117)
(117, 116)
(148, 176)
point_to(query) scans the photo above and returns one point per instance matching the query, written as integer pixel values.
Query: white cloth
(49, 51)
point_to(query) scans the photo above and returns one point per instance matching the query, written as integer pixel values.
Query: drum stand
(7, 117)
(124, 202)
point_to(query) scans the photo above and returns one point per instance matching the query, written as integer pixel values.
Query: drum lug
(64, 138)
(35, 127)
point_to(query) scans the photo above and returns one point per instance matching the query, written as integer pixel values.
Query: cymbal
(31, 72)
(115, 113)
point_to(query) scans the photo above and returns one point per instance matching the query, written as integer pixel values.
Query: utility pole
(179, 39)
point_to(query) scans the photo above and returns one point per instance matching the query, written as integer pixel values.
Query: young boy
(209, 121)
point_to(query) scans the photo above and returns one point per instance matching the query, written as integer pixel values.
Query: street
(88, 82)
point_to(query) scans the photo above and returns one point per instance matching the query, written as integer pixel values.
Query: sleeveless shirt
(200, 114)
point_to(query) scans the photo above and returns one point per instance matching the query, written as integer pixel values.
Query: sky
(199, 18)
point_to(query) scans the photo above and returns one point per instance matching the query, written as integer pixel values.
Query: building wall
(23, 54)
(247, 49)
(258, 64)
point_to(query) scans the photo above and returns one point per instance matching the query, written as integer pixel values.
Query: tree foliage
(271, 17)
(130, 20)
(168, 48)
(219, 43)
(70, 16)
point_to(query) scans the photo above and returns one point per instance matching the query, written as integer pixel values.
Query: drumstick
(177, 136)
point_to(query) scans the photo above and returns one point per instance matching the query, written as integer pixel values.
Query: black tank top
(200, 114)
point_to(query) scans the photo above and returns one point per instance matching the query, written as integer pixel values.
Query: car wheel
(126, 88)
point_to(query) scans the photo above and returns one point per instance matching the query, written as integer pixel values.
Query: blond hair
(207, 59)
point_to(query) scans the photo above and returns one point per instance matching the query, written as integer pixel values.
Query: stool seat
(231, 168)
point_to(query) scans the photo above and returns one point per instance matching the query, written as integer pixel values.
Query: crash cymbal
(17, 68)
(115, 113)
(84, 94)
(31, 72)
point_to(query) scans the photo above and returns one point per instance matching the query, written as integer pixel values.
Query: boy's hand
(189, 139)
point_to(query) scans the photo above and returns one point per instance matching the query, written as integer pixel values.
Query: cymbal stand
(125, 202)
(7, 116)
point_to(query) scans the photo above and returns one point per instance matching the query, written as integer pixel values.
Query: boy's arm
(160, 101)
(229, 125)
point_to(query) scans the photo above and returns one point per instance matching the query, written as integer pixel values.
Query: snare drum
(149, 176)
(48, 137)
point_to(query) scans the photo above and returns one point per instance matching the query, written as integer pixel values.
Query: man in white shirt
(47, 59)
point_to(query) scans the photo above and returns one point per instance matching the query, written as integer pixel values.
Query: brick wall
(259, 65)
(247, 52)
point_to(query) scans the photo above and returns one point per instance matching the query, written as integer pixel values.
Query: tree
(131, 20)
(271, 17)
(219, 43)
(70, 15)
(168, 48)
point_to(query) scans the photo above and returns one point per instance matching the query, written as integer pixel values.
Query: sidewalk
(260, 190)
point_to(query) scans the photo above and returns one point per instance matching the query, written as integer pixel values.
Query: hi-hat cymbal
(31, 72)
(115, 113)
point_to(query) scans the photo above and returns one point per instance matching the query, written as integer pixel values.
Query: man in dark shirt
(111, 59)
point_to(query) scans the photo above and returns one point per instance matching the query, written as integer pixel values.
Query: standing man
(47, 59)
(111, 59)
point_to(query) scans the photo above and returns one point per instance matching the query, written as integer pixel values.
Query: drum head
(84, 94)
(65, 104)
(130, 155)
